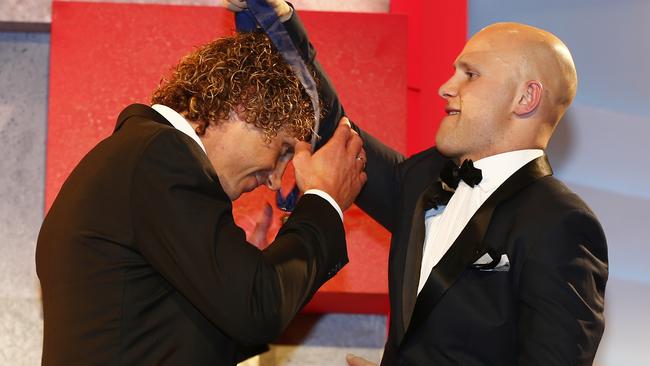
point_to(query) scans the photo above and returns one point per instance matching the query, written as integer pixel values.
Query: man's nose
(274, 181)
(448, 89)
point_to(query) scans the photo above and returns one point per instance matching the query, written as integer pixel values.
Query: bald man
(493, 261)
(498, 262)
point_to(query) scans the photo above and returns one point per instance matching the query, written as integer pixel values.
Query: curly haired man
(139, 258)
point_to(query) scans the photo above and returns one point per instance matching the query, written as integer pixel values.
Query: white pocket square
(485, 263)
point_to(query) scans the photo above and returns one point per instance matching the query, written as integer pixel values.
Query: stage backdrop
(106, 56)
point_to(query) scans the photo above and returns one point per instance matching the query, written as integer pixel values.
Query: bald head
(511, 85)
(537, 55)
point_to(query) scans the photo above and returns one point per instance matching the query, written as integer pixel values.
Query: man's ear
(529, 99)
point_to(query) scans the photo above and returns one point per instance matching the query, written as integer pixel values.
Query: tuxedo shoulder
(429, 154)
(143, 126)
(550, 208)
(428, 161)
(555, 196)
(168, 141)
(549, 222)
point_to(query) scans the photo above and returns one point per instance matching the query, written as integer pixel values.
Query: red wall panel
(437, 31)
(106, 56)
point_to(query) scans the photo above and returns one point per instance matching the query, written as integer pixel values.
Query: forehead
(484, 50)
(283, 138)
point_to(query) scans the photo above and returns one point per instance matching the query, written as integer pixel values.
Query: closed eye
(287, 154)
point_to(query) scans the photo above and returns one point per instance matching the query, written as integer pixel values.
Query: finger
(239, 3)
(341, 135)
(361, 164)
(346, 121)
(275, 178)
(355, 145)
(362, 155)
(302, 147)
(353, 360)
(232, 6)
(301, 152)
(363, 177)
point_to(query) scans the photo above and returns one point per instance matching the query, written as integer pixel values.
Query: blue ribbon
(260, 14)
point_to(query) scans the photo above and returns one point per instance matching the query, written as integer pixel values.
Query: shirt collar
(497, 168)
(179, 122)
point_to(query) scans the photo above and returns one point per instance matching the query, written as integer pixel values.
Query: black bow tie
(451, 174)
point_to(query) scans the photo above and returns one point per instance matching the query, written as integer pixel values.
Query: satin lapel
(413, 260)
(469, 244)
(139, 110)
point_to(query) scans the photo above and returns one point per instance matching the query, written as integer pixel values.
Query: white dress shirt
(443, 228)
(180, 123)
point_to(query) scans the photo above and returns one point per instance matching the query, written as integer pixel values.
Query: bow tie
(440, 192)
(451, 174)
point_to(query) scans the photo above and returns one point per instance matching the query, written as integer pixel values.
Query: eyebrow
(463, 65)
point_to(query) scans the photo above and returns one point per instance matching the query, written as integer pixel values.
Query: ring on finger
(361, 159)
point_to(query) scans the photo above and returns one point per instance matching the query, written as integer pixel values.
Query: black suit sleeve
(185, 229)
(379, 197)
(329, 99)
(562, 288)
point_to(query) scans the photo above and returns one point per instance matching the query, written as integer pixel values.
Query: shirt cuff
(327, 198)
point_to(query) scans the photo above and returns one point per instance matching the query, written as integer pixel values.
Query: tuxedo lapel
(469, 244)
(413, 260)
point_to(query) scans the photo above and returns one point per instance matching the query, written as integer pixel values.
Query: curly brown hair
(244, 74)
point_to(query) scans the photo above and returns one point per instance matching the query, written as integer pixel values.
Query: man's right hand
(337, 168)
(281, 8)
(354, 360)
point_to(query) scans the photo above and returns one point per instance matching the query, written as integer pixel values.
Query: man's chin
(446, 150)
(235, 194)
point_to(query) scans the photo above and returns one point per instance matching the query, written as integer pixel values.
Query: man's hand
(337, 168)
(282, 9)
(354, 360)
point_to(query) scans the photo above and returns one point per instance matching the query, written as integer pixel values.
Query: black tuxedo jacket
(547, 309)
(141, 263)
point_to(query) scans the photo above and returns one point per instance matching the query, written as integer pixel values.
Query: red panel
(106, 56)
(437, 31)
